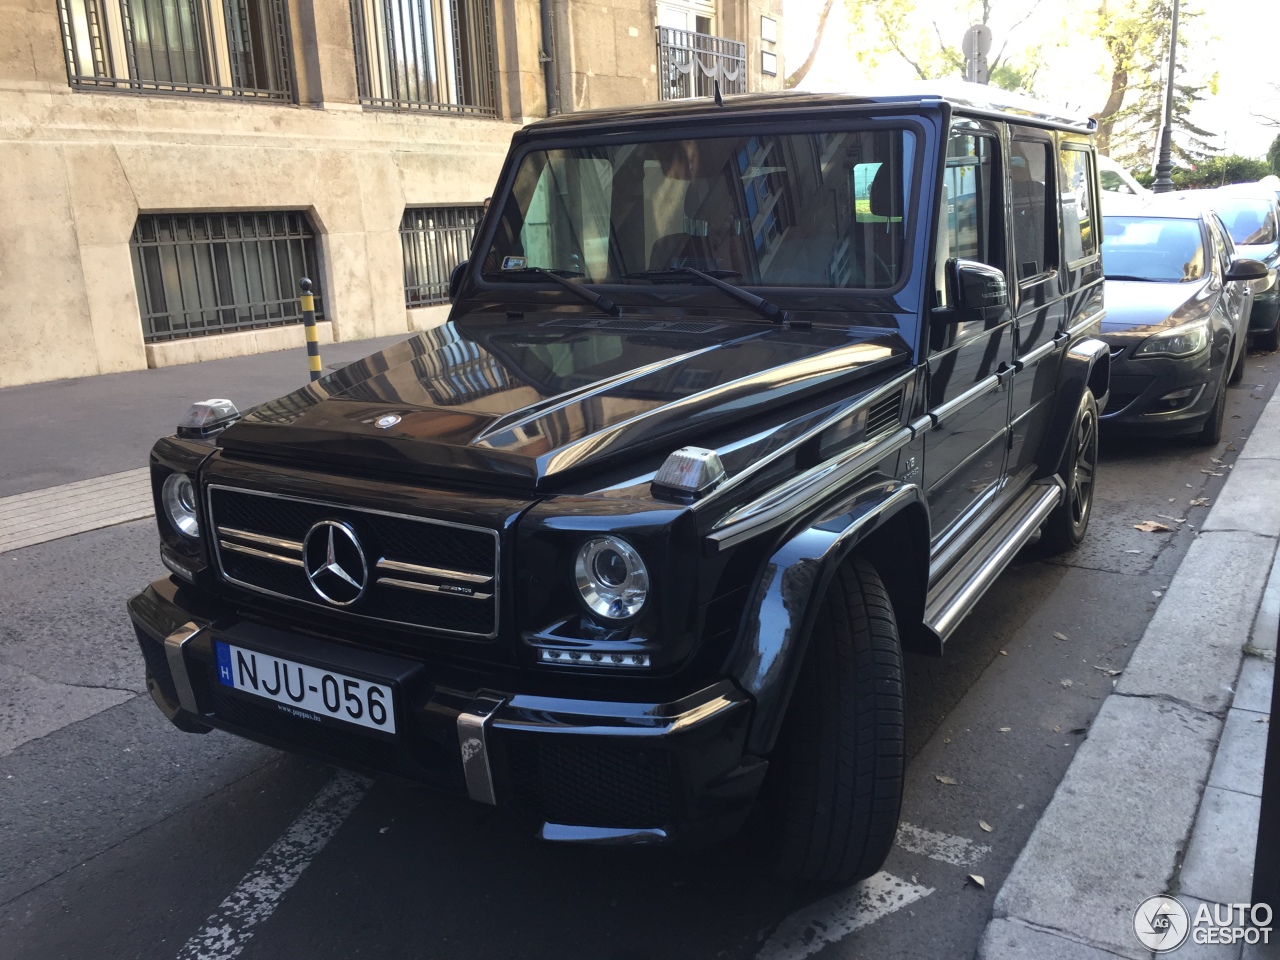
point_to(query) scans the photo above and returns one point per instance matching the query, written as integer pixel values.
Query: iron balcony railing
(206, 48)
(434, 55)
(435, 240)
(203, 273)
(690, 64)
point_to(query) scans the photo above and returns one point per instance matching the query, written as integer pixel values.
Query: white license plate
(303, 689)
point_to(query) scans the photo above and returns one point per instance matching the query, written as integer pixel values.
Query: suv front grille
(419, 572)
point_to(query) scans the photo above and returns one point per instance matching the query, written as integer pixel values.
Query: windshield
(788, 210)
(1248, 221)
(1161, 249)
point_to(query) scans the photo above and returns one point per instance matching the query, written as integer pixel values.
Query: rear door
(964, 457)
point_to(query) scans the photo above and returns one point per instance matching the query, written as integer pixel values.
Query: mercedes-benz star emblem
(387, 421)
(334, 563)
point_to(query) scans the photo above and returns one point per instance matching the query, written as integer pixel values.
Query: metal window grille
(425, 55)
(199, 274)
(237, 48)
(435, 240)
(690, 63)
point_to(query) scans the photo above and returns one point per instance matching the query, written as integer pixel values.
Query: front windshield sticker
(774, 209)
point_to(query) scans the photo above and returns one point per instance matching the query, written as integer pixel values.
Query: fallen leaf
(1109, 671)
(1133, 551)
(1005, 729)
(1157, 594)
(977, 881)
(1231, 446)
(1171, 499)
(1200, 502)
(1174, 519)
(946, 739)
(1255, 396)
(1065, 683)
(1004, 653)
(1215, 459)
(1151, 526)
(1057, 729)
(984, 825)
(1212, 474)
(1059, 636)
(949, 781)
(1079, 732)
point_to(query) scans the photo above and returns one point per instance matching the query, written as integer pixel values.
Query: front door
(964, 460)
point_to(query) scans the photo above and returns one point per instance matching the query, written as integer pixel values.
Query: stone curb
(1124, 813)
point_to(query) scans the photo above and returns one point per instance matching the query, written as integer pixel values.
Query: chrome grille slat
(260, 547)
(261, 554)
(399, 566)
(277, 542)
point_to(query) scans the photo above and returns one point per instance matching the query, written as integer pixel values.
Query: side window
(971, 199)
(1075, 192)
(1033, 217)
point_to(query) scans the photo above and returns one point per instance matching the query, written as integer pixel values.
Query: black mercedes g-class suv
(735, 402)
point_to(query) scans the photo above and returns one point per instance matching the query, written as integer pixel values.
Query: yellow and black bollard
(309, 318)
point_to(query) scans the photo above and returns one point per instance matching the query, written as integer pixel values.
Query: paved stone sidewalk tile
(1192, 647)
(1253, 690)
(1116, 824)
(1219, 863)
(1238, 765)
(1266, 625)
(1264, 438)
(1010, 940)
(1191, 950)
(1248, 500)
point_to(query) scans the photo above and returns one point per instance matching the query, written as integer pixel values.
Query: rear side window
(1033, 218)
(1075, 192)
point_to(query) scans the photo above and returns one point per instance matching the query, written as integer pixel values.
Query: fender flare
(779, 620)
(1086, 365)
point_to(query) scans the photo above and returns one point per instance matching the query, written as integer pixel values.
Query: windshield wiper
(577, 289)
(766, 308)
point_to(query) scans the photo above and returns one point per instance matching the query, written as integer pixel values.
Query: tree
(800, 72)
(1216, 171)
(1136, 36)
(1273, 155)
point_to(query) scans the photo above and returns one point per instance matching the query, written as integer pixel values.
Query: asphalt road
(120, 837)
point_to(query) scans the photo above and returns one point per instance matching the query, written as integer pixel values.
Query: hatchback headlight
(179, 498)
(612, 578)
(1180, 341)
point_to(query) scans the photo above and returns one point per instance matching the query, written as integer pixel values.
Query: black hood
(519, 402)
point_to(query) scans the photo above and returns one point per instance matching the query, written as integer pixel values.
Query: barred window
(199, 274)
(425, 55)
(435, 240)
(190, 47)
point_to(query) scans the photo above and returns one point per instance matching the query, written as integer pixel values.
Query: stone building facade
(170, 168)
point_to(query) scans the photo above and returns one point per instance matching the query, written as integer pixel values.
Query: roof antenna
(719, 97)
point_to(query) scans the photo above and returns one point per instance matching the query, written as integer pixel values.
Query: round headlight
(612, 578)
(179, 498)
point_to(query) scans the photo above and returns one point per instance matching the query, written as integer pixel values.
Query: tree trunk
(1119, 83)
(802, 71)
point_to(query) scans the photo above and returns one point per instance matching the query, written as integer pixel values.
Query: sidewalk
(1163, 796)
(72, 430)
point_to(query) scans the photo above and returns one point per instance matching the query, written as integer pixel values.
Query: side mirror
(1242, 268)
(976, 290)
(455, 280)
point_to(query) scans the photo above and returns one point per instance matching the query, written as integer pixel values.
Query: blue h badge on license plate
(224, 664)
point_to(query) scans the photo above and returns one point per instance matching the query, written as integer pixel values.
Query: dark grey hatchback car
(1178, 306)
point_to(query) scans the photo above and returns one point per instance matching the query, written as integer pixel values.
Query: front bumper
(582, 770)
(1140, 391)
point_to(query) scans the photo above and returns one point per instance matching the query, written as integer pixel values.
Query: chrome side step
(963, 586)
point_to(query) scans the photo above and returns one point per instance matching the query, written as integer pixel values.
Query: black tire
(1237, 371)
(834, 791)
(1268, 342)
(1066, 526)
(1210, 434)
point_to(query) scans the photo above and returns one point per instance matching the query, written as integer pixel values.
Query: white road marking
(63, 511)
(833, 918)
(231, 926)
(940, 846)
